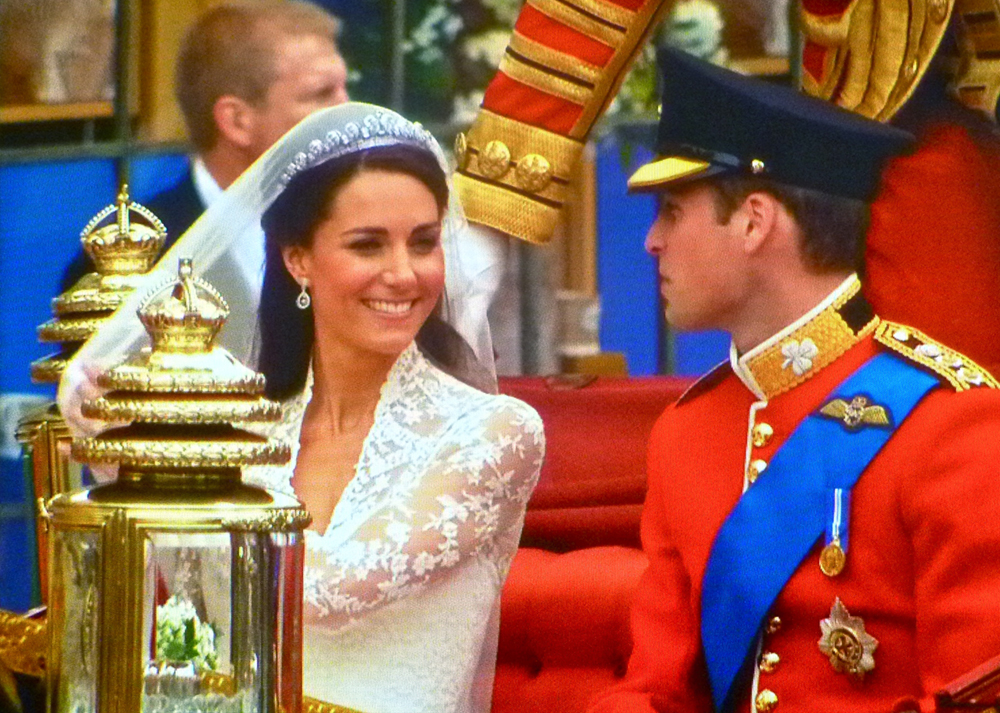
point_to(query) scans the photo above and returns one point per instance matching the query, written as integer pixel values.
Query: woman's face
(375, 266)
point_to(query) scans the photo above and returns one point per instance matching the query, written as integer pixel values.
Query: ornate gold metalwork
(846, 643)
(955, 368)
(277, 521)
(217, 411)
(179, 477)
(121, 251)
(182, 381)
(857, 413)
(22, 644)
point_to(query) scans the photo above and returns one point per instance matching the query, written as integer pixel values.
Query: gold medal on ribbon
(832, 559)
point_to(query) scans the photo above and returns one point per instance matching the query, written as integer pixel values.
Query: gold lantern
(121, 249)
(177, 587)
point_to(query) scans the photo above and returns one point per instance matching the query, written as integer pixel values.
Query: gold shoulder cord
(955, 368)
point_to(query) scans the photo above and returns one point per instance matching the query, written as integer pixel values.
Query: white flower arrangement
(182, 636)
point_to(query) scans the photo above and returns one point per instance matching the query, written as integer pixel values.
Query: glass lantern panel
(220, 615)
(74, 606)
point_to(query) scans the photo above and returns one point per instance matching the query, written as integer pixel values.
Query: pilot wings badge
(857, 414)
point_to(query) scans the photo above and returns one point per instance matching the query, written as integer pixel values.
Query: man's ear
(234, 119)
(760, 213)
(297, 262)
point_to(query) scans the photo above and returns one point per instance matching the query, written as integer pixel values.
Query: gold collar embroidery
(807, 345)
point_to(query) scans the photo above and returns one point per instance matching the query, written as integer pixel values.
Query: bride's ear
(296, 262)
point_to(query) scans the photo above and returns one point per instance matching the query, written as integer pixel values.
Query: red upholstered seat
(564, 632)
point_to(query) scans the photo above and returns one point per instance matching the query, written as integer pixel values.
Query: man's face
(701, 261)
(310, 74)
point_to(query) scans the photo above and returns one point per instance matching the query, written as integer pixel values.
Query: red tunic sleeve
(665, 672)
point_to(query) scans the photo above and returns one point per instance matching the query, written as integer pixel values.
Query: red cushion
(595, 455)
(564, 632)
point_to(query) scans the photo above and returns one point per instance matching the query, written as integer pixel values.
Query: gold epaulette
(955, 368)
(565, 61)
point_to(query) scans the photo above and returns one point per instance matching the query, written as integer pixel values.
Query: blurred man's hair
(230, 49)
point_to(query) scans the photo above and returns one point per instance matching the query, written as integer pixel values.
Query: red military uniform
(922, 565)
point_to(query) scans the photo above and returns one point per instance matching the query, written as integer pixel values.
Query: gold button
(533, 172)
(762, 433)
(774, 625)
(756, 468)
(769, 661)
(766, 701)
(494, 161)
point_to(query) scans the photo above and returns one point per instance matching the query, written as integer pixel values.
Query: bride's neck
(347, 384)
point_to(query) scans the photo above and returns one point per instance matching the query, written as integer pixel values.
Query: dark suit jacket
(178, 207)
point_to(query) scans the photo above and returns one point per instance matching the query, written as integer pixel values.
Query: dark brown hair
(832, 228)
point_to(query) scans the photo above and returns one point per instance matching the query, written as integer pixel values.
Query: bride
(416, 476)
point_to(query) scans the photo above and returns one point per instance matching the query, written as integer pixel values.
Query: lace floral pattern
(443, 478)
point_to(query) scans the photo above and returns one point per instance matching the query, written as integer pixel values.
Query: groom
(823, 513)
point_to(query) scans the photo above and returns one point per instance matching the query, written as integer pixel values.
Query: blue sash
(779, 518)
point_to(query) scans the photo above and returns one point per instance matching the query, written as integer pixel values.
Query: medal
(845, 642)
(834, 555)
(832, 559)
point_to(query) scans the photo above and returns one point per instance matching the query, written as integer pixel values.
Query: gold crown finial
(123, 221)
(185, 314)
(126, 247)
(122, 250)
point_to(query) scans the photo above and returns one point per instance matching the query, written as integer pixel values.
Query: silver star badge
(845, 642)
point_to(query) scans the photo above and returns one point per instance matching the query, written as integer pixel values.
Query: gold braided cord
(569, 16)
(955, 368)
(607, 11)
(860, 48)
(893, 21)
(543, 81)
(512, 213)
(553, 59)
(614, 73)
(522, 139)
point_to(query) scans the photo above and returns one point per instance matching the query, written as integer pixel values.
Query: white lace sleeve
(472, 490)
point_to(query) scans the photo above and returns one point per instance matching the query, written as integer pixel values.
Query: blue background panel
(43, 208)
(626, 275)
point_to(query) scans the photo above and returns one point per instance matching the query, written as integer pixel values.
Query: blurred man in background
(246, 73)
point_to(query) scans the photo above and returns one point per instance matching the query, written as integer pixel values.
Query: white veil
(226, 247)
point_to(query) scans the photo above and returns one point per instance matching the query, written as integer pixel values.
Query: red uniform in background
(933, 255)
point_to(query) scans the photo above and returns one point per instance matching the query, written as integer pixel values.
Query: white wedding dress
(407, 576)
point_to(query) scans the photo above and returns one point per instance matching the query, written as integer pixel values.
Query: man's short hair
(832, 227)
(230, 49)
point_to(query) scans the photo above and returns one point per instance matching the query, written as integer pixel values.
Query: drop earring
(304, 300)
